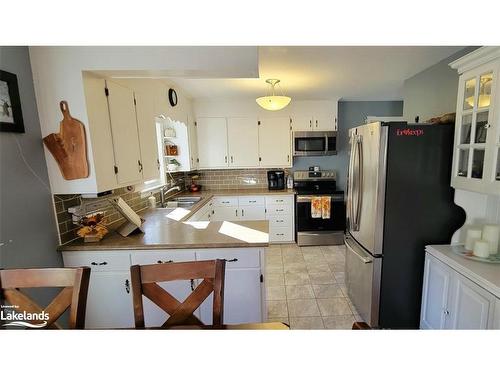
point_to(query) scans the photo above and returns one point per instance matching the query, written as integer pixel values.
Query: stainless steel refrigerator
(399, 199)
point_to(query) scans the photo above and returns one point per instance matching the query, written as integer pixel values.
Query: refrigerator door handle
(355, 251)
(350, 185)
(359, 200)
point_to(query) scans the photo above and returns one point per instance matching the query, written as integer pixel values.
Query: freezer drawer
(363, 281)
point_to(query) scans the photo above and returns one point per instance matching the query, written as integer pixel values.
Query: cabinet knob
(487, 126)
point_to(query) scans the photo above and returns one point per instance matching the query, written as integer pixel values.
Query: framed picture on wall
(11, 115)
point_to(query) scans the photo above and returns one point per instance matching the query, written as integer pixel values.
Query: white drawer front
(279, 221)
(98, 260)
(251, 200)
(281, 234)
(280, 200)
(164, 256)
(279, 210)
(236, 258)
(225, 201)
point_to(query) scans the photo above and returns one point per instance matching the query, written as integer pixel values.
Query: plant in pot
(172, 165)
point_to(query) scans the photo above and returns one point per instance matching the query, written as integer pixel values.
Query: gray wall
(350, 114)
(433, 91)
(27, 222)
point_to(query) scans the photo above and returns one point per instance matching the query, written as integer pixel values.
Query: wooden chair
(145, 279)
(74, 281)
(360, 325)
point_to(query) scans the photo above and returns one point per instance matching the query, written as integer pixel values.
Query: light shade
(274, 102)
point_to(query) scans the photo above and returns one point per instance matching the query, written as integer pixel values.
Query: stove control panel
(314, 175)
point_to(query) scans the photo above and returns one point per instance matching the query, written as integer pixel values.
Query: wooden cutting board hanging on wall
(69, 146)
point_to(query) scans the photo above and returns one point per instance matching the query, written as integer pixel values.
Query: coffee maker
(276, 179)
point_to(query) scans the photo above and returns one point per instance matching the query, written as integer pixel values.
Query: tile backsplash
(67, 230)
(222, 179)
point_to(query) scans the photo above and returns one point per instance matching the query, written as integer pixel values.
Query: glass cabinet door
(474, 125)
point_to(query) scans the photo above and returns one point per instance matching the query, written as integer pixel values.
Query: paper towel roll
(472, 235)
(481, 249)
(491, 234)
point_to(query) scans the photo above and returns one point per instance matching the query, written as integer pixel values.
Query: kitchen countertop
(162, 232)
(486, 275)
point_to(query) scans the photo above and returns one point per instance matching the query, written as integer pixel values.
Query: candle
(491, 234)
(472, 235)
(481, 249)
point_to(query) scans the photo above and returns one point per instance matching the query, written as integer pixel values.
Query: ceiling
(350, 73)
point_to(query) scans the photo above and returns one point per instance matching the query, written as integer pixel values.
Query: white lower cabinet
(243, 286)
(452, 301)
(109, 300)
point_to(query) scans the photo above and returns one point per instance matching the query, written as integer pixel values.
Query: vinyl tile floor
(305, 287)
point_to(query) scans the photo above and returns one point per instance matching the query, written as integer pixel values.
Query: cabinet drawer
(279, 221)
(225, 201)
(280, 200)
(236, 258)
(281, 234)
(165, 256)
(279, 210)
(98, 261)
(251, 201)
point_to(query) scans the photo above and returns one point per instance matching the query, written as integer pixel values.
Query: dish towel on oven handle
(316, 207)
(325, 207)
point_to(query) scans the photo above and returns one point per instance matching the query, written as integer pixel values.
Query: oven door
(306, 223)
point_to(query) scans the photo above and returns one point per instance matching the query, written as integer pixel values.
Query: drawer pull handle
(279, 221)
(164, 261)
(192, 285)
(252, 201)
(231, 260)
(99, 264)
(127, 286)
(279, 210)
(279, 200)
(280, 234)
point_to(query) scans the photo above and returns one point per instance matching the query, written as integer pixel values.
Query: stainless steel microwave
(314, 143)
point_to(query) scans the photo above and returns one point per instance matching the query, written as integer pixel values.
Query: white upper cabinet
(124, 132)
(243, 142)
(146, 125)
(476, 156)
(302, 123)
(325, 122)
(275, 142)
(212, 142)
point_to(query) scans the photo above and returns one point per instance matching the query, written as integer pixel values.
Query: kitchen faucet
(163, 193)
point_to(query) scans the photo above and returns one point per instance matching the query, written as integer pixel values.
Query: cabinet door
(146, 125)
(212, 142)
(243, 141)
(154, 316)
(324, 123)
(227, 213)
(109, 301)
(242, 298)
(252, 213)
(437, 277)
(124, 131)
(193, 143)
(302, 123)
(470, 305)
(275, 142)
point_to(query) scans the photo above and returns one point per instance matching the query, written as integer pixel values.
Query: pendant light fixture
(273, 102)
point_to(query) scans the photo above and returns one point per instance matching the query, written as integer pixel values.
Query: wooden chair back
(74, 281)
(145, 279)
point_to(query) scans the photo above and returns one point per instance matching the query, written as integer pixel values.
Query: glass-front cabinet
(476, 156)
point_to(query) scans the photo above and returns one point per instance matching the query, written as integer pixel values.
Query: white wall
(480, 209)
(57, 74)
